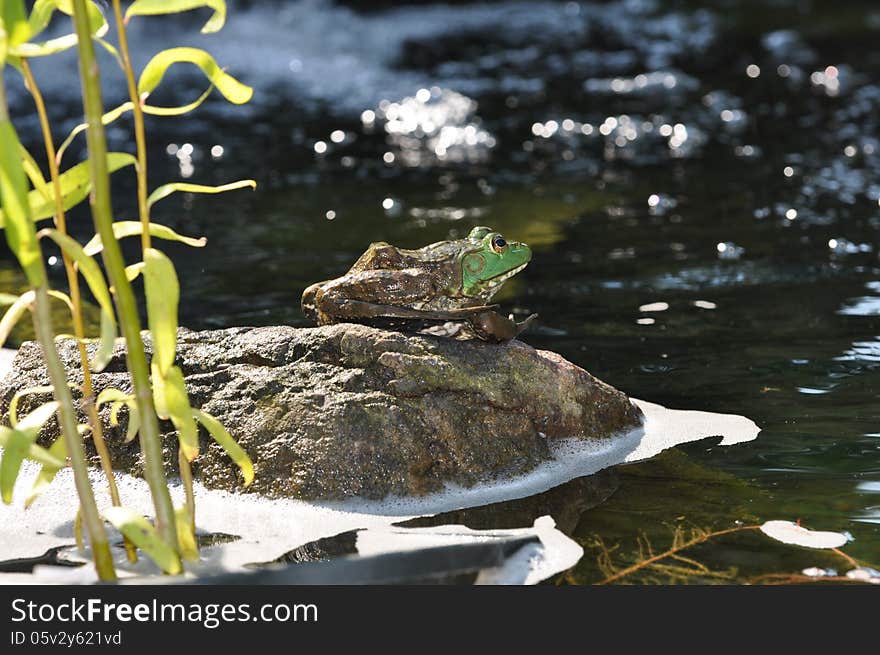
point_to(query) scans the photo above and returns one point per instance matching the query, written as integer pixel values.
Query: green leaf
(172, 402)
(38, 417)
(134, 422)
(47, 472)
(106, 119)
(14, 20)
(19, 305)
(126, 107)
(167, 189)
(144, 536)
(35, 175)
(163, 293)
(109, 47)
(111, 394)
(39, 20)
(63, 297)
(122, 229)
(19, 228)
(186, 540)
(133, 270)
(75, 186)
(18, 443)
(14, 313)
(29, 391)
(15, 447)
(155, 7)
(233, 90)
(95, 279)
(222, 437)
(153, 110)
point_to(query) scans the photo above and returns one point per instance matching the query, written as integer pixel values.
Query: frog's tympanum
(445, 281)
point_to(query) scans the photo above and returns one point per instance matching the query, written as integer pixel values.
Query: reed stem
(150, 440)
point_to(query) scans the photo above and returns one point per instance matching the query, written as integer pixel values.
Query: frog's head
(489, 262)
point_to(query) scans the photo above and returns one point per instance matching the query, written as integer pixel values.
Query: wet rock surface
(349, 410)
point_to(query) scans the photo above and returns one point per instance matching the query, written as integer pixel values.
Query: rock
(349, 410)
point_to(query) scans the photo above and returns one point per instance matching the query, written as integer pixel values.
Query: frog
(447, 281)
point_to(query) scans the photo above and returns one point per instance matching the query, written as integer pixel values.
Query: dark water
(699, 184)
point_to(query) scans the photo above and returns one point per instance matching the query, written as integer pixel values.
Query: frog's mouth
(503, 277)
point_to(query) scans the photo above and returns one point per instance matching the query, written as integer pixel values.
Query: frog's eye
(498, 243)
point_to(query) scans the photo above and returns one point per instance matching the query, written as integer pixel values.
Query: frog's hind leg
(358, 309)
(307, 302)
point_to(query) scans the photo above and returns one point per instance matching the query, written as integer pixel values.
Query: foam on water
(269, 528)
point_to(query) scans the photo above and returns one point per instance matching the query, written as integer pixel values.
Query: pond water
(699, 185)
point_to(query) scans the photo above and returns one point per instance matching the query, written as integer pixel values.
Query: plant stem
(150, 440)
(139, 133)
(187, 478)
(88, 392)
(143, 208)
(75, 450)
(672, 551)
(42, 319)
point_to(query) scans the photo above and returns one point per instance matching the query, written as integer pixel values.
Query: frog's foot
(492, 326)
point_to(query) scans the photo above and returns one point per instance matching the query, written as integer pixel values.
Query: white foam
(270, 528)
(6, 357)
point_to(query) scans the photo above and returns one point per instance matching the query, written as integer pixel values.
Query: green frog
(445, 281)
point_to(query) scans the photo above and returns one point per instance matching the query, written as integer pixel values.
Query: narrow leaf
(35, 175)
(39, 19)
(95, 279)
(154, 71)
(20, 234)
(144, 536)
(134, 422)
(63, 297)
(177, 408)
(186, 540)
(14, 314)
(133, 270)
(29, 391)
(122, 229)
(222, 437)
(14, 20)
(111, 394)
(15, 447)
(37, 418)
(75, 186)
(154, 7)
(163, 292)
(47, 473)
(167, 189)
(126, 107)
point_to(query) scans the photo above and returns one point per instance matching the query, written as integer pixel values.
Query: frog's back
(382, 255)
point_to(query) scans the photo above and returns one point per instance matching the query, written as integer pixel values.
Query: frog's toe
(522, 325)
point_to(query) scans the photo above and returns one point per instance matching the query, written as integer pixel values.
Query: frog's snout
(521, 251)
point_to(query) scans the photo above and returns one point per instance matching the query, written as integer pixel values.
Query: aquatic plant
(158, 389)
(671, 566)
